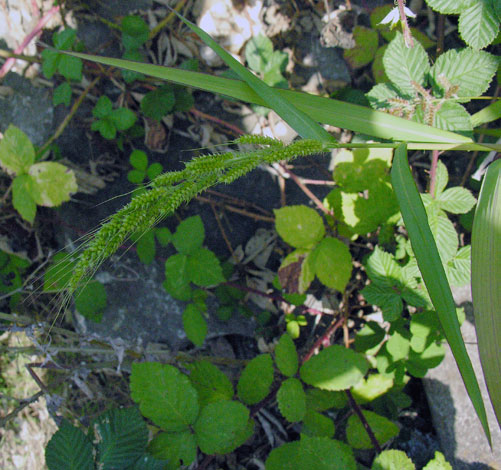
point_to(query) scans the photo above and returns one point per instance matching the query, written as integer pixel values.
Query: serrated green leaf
(139, 160)
(123, 118)
(333, 264)
(319, 453)
(392, 460)
(382, 268)
(70, 67)
(363, 53)
(382, 94)
(369, 336)
(184, 99)
(386, 298)
(441, 179)
(334, 368)
(458, 269)
(438, 463)
(291, 400)
(479, 24)
(220, 425)
(189, 235)
(103, 107)
(299, 226)
(323, 400)
(211, 384)
(382, 427)
(158, 103)
(91, 300)
(419, 363)
(456, 200)
(62, 94)
(23, 188)
(179, 449)
(490, 113)
(286, 357)
(404, 65)
(54, 182)
(164, 236)
(256, 379)
(165, 395)
(176, 277)
(398, 346)
(371, 388)
(195, 325)
(50, 62)
(17, 153)
(452, 116)
(258, 52)
(69, 449)
(317, 425)
(444, 233)
(204, 269)
(424, 328)
(121, 436)
(471, 71)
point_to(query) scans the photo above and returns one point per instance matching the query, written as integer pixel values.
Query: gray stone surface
(140, 311)
(28, 107)
(460, 432)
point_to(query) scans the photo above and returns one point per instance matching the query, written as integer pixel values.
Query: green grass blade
(488, 114)
(430, 265)
(328, 111)
(486, 281)
(303, 124)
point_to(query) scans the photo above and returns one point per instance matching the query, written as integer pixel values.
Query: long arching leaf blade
(432, 270)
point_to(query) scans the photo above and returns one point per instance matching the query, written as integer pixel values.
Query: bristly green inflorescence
(170, 190)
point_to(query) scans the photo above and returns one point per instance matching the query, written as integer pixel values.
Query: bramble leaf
(291, 400)
(334, 368)
(323, 400)
(456, 200)
(438, 463)
(165, 395)
(258, 52)
(392, 460)
(316, 424)
(382, 427)
(69, 449)
(299, 226)
(194, 324)
(23, 188)
(220, 427)
(479, 24)
(177, 282)
(371, 388)
(122, 436)
(70, 67)
(54, 183)
(158, 103)
(91, 300)
(333, 264)
(178, 448)
(256, 379)
(366, 45)
(123, 118)
(17, 153)
(369, 337)
(319, 453)
(189, 235)
(404, 65)
(204, 269)
(210, 383)
(62, 94)
(286, 356)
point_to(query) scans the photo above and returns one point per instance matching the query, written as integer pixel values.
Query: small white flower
(394, 16)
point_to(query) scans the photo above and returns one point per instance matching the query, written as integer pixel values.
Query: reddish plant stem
(306, 191)
(37, 30)
(440, 34)
(229, 126)
(433, 172)
(358, 411)
(409, 42)
(324, 338)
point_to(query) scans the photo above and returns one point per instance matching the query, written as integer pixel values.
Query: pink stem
(38, 29)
